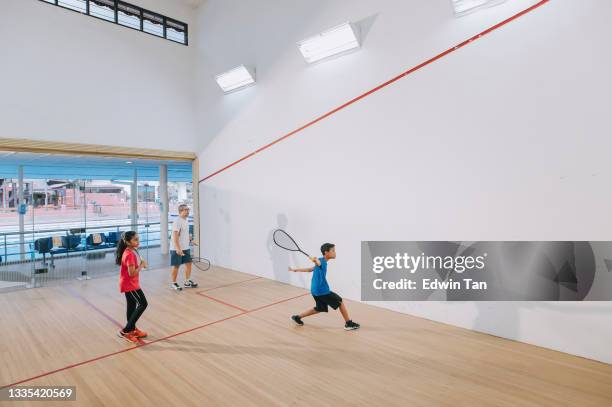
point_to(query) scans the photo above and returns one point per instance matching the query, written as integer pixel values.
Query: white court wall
(72, 78)
(506, 139)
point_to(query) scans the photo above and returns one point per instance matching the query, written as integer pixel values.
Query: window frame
(172, 20)
(165, 19)
(153, 14)
(68, 8)
(114, 20)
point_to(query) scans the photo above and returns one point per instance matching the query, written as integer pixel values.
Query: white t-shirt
(181, 226)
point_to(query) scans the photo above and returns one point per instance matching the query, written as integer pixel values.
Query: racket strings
(282, 239)
(201, 263)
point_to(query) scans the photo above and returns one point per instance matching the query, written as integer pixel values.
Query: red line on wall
(379, 87)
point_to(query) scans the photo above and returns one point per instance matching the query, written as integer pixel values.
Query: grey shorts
(176, 260)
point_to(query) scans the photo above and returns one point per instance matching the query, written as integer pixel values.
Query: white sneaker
(175, 286)
(190, 284)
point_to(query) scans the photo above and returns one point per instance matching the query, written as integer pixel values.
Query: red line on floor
(225, 319)
(222, 302)
(98, 310)
(229, 284)
(278, 302)
(71, 366)
(148, 343)
(165, 338)
(235, 306)
(387, 83)
(86, 301)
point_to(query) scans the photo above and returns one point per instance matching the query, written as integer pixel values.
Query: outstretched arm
(304, 270)
(308, 269)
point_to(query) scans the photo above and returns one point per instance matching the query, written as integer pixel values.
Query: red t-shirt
(127, 283)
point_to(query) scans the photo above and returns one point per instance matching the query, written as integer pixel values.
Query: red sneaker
(128, 336)
(139, 334)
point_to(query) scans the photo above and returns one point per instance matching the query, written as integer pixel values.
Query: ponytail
(123, 244)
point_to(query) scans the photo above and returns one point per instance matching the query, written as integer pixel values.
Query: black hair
(325, 247)
(122, 245)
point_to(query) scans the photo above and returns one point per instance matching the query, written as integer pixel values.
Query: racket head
(201, 263)
(283, 240)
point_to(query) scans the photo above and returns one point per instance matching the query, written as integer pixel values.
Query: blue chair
(112, 238)
(71, 242)
(91, 240)
(43, 246)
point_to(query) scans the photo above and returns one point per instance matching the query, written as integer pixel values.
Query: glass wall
(66, 219)
(9, 219)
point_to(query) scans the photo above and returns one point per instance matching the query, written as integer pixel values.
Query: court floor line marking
(222, 302)
(277, 302)
(141, 341)
(78, 296)
(148, 343)
(225, 319)
(379, 87)
(229, 284)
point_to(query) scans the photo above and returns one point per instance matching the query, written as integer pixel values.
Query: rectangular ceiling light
(466, 6)
(234, 79)
(334, 41)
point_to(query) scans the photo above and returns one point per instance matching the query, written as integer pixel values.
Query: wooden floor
(230, 342)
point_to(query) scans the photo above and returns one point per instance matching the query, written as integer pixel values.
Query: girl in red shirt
(131, 264)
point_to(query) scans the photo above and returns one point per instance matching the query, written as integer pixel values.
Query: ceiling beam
(51, 147)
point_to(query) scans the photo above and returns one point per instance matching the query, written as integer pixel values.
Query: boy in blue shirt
(321, 293)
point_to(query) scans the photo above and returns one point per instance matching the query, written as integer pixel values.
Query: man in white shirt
(179, 249)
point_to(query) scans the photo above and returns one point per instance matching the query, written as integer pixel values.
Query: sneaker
(128, 336)
(350, 325)
(175, 286)
(297, 320)
(139, 334)
(190, 284)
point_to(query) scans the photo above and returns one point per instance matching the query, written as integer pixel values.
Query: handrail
(6, 244)
(86, 227)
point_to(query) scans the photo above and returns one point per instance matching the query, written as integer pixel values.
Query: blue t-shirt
(318, 285)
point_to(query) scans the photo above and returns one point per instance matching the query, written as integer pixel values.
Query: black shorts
(323, 301)
(176, 260)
